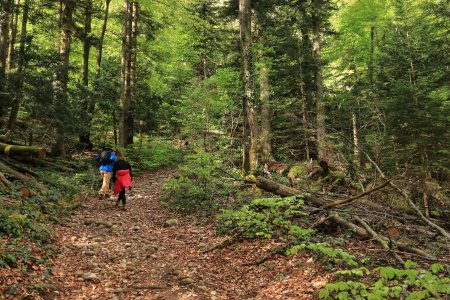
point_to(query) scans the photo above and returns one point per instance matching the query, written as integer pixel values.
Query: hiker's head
(113, 149)
(120, 155)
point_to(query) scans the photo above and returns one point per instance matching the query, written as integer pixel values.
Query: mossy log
(45, 164)
(6, 169)
(14, 150)
(281, 189)
(5, 138)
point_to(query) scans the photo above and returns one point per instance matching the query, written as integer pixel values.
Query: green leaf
(436, 268)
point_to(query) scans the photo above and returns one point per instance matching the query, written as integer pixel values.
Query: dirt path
(106, 253)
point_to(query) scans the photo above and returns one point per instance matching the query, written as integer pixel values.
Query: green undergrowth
(282, 219)
(26, 237)
(410, 283)
(200, 185)
(273, 218)
(153, 153)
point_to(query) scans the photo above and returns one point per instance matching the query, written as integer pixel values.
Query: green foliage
(410, 283)
(153, 153)
(199, 186)
(270, 218)
(266, 218)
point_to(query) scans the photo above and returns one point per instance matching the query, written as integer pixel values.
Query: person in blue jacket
(106, 160)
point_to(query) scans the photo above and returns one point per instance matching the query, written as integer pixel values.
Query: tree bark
(356, 152)
(85, 137)
(250, 143)
(4, 34)
(18, 94)
(132, 73)
(62, 75)
(266, 148)
(125, 105)
(91, 108)
(321, 131)
(12, 34)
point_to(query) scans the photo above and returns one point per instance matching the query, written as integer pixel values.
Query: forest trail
(107, 253)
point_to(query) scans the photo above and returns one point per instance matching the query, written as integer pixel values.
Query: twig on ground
(378, 238)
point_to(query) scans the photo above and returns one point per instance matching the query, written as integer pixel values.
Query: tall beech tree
(128, 72)
(322, 152)
(250, 158)
(86, 39)
(21, 61)
(62, 74)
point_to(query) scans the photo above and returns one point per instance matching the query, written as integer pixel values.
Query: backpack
(105, 158)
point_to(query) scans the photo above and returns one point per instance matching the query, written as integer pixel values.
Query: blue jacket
(109, 167)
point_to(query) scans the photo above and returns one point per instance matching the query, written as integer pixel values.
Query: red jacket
(123, 181)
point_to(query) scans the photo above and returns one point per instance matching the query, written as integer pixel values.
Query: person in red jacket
(122, 178)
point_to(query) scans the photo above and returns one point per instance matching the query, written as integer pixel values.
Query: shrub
(408, 283)
(154, 153)
(198, 186)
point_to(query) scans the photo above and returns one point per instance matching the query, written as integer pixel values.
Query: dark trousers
(122, 197)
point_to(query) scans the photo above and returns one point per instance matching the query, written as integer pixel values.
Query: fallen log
(5, 181)
(21, 176)
(340, 202)
(14, 150)
(20, 168)
(45, 164)
(281, 189)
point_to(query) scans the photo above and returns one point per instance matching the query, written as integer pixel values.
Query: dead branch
(441, 230)
(361, 232)
(272, 253)
(378, 238)
(340, 202)
(228, 241)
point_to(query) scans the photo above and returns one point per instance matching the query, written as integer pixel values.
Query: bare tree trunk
(85, 137)
(372, 52)
(132, 72)
(126, 120)
(12, 34)
(356, 152)
(266, 148)
(102, 37)
(62, 75)
(5, 12)
(304, 96)
(20, 68)
(321, 143)
(91, 108)
(250, 123)
(123, 75)
(4, 35)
